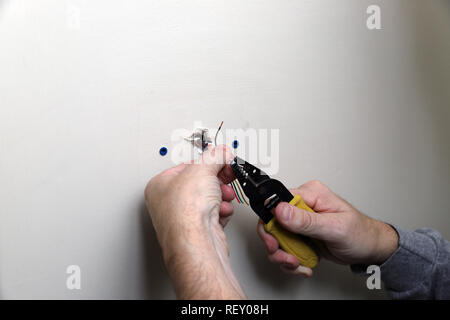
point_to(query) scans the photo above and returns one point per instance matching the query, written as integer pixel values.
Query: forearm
(199, 266)
(386, 242)
(419, 268)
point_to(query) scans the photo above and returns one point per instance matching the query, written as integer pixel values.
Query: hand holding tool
(264, 194)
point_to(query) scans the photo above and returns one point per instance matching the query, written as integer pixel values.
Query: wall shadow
(156, 280)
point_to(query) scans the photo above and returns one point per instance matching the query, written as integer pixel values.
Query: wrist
(190, 236)
(198, 263)
(386, 242)
(185, 240)
(181, 226)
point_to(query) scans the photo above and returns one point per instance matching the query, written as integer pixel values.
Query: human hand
(189, 205)
(349, 236)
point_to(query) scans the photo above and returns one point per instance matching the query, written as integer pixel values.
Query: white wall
(85, 107)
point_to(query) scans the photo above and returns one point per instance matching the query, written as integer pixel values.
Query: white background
(90, 90)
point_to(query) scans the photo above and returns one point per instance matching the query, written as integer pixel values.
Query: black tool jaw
(267, 197)
(244, 170)
(263, 192)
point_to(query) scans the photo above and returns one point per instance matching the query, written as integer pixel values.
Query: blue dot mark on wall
(235, 144)
(163, 151)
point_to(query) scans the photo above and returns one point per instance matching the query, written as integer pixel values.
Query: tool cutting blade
(263, 192)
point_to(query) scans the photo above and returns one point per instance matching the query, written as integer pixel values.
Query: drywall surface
(90, 90)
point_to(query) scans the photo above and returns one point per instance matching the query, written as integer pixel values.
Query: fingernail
(286, 212)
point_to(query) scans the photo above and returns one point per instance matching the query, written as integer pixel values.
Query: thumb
(213, 160)
(300, 221)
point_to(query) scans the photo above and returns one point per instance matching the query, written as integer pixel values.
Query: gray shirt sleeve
(419, 268)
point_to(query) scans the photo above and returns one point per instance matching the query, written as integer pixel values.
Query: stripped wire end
(235, 192)
(239, 195)
(241, 192)
(217, 133)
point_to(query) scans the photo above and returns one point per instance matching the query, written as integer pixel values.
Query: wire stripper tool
(264, 194)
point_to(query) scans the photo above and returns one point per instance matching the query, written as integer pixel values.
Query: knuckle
(305, 221)
(223, 148)
(258, 229)
(317, 186)
(147, 190)
(316, 183)
(150, 186)
(271, 258)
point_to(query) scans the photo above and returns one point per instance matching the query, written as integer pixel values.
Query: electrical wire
(234, 184)
(234, 190)
(217, 133)
(242, 193)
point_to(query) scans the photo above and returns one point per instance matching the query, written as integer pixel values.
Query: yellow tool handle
(294, 243)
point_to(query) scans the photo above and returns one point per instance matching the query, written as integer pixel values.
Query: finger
(227, 192)
(269, 240)
(214, 160)
(283, 258)
(223, 221)
(289, 263)
(323, 251)
(301, 221)
(157, 184)
(299, 271)
(226, 175)
(226, 209)
(319, 197)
